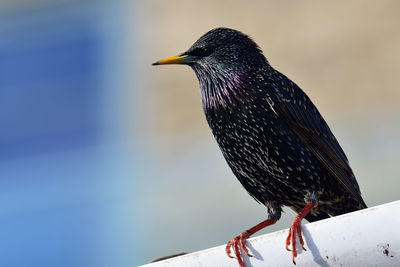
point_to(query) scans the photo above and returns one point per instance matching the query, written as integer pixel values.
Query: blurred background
(106, 160)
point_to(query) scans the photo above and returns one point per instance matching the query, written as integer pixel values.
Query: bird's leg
(240, 240)
(295, 229)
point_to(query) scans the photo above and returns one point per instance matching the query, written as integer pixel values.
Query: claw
(237, 243)
(228, 249)
(300, 237)
(242, 240)
(288, 240)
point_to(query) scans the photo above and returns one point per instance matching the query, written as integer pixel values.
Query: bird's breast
(248, 139)
(263, 152)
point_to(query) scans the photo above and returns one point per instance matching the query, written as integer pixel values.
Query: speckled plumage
(270, 133)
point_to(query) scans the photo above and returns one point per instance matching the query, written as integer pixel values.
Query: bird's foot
(240, 241)
(237, 243)
(295, 230)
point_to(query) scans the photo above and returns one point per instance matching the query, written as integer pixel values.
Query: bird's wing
(294, 106)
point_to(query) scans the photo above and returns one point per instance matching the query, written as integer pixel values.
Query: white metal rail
(369, 237)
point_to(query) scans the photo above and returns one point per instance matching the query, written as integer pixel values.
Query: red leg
(240, 240)
(295, 229)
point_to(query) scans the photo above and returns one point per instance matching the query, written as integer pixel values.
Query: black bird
(272, 136)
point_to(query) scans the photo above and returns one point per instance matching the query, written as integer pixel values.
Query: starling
(272, 136)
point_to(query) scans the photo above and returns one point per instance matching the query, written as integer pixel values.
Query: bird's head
(220, 59)
(221, 48)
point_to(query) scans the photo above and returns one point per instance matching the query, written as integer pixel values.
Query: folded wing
(293, 105)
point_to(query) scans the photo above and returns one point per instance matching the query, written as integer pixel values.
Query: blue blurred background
(108, 161)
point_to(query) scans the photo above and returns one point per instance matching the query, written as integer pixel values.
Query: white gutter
(369, 237)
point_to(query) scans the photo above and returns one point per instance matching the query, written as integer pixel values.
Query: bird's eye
(199, 52)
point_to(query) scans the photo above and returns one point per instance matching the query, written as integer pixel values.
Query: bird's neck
(221, 89)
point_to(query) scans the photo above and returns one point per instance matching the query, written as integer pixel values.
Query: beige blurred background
(343, 54)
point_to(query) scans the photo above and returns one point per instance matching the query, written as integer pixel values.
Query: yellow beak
(171, 60)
